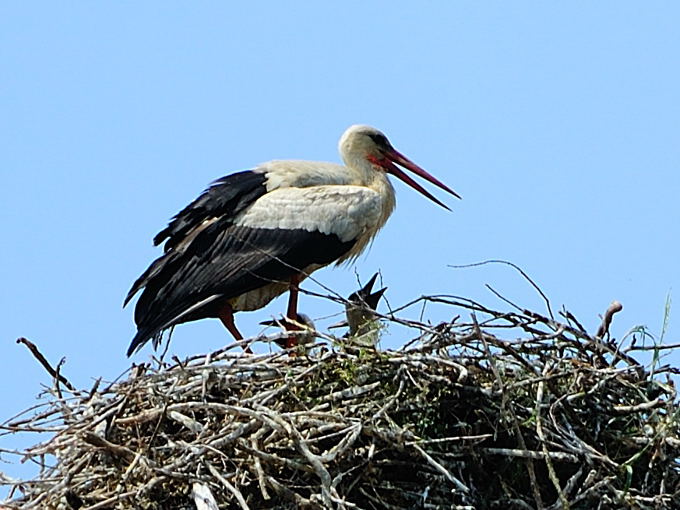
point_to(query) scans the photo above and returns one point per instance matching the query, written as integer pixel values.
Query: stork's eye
(380, 140)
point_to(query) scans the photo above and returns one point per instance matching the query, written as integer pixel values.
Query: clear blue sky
(558, 123)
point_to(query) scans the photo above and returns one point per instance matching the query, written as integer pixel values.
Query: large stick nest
(500, 410)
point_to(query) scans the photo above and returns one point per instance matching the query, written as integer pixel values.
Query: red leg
(226, 315)
(292, 310)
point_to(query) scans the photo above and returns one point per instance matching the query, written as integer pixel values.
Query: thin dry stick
(46, 364)
(614, 307)
(516, 268)
(237, 493)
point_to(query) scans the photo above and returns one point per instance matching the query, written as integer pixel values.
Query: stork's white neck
(355, 150)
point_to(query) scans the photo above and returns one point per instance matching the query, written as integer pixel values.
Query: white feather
(303, 174)
(346, 211)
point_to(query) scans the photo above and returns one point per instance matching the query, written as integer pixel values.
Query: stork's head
(365, 146)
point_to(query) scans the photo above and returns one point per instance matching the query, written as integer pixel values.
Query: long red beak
(399, 159)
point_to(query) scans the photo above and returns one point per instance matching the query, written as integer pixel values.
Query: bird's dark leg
(292, 314)
(226, 315)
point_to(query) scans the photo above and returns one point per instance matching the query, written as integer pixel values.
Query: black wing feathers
(226, 196)
(225, 260)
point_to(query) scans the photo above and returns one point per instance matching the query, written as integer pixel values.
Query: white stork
(253, 235)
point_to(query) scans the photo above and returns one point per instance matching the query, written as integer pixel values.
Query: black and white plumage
(305, 331)
(360, 312)
(360, 308)
(253, 235)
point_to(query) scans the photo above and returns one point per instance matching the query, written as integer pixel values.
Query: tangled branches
(504, 410)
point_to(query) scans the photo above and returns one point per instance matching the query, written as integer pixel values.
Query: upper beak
(395, 157)
(364, 291)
